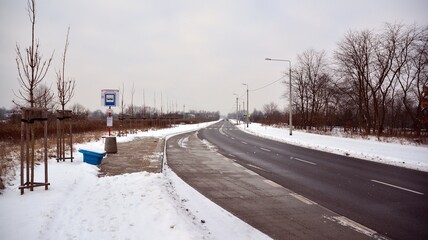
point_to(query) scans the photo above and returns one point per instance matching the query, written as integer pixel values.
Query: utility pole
(184, 111)
(248, 111)
(144, 104)
(237, 118)
(248, 108)
(243, 108)
(236, 112)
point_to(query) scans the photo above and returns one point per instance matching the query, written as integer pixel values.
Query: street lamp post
(289, 105)
(236, 113)
(248, 111)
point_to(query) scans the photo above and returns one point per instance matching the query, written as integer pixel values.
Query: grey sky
(196, 53)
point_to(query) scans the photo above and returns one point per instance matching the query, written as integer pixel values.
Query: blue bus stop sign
(109, 97)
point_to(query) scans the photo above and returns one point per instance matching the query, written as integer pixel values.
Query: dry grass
(9, 154)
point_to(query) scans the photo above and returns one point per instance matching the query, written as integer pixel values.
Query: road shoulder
(265, 205)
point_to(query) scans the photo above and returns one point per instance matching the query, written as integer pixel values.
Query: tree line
(375, 83)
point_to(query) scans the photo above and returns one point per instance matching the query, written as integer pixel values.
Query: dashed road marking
(265, 149)
(273, 184)
(232, 138)
(398, 187)
(237, 165)
(251, 172)
(344, 221)
(304, 161)
(253, 166)
(303, 199)
(232, 155)
(221, 131)
(243, 142)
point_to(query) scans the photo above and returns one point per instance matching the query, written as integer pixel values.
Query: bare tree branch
(31, 68)
(65, 88)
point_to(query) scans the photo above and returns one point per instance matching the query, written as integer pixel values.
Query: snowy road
(388, 199)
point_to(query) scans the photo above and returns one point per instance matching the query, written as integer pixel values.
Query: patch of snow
(211, 147)
(93, 149)
(183, 142)
(79, 205)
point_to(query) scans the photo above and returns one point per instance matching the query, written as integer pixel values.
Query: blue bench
(92, 157)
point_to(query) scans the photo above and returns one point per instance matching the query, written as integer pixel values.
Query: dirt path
(142, 154)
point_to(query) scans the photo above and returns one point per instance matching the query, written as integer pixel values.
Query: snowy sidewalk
(79, 205)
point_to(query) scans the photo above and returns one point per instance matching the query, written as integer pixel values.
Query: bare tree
(354, 57)
(31, 68)
(122, 104)
(79, 111)
(44, 97)
(311, 81)
(273, 116)
(414, 74)
(65, 88)
(371, 67)
(132, 108)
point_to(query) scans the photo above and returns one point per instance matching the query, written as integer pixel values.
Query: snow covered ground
(403, 155)
(79, 205)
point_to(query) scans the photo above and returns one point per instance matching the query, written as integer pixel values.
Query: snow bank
(408, 156)
(79, 205)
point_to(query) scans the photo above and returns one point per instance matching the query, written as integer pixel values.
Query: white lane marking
(232, 155)
(395, 186)
(251, 172)
(273, 184)
(265, 149)
(251, 165)
(301, 160)
(232, 138)
(221, 131)
(237, 165)
(244, 142)
(344, 221)
(303, 199)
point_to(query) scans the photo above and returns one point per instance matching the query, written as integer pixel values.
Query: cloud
(196, 53)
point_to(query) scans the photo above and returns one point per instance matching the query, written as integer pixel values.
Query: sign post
(109, 119)
(109, 98)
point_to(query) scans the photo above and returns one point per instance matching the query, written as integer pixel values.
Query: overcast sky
(195, 53)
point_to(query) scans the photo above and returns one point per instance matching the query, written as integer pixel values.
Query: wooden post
(27, 151)
(29, 116)
(63, 117)
(46, 154)
(32, 158)
(58, 151)
(71, 142)
(22, 155)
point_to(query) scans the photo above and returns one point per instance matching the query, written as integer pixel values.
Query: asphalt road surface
(390, 200)
(265, 205)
